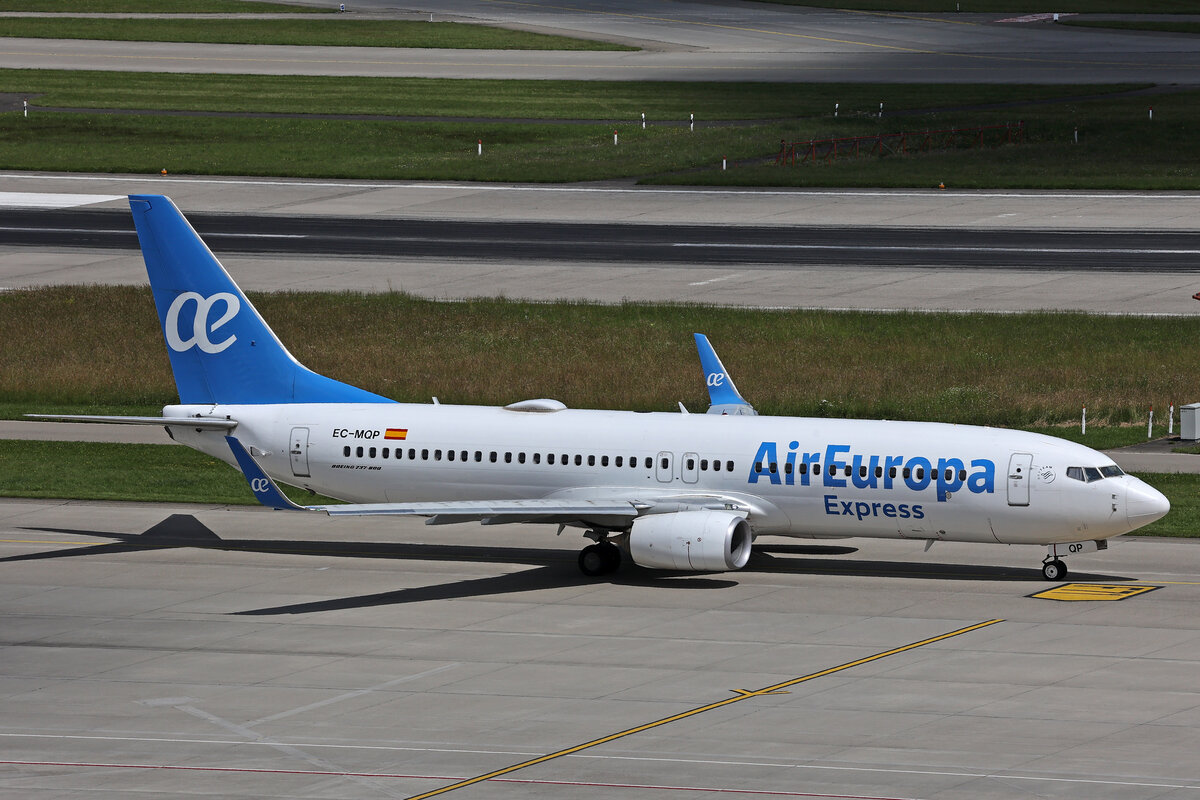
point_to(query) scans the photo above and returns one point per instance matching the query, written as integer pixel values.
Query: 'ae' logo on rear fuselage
(199, 335)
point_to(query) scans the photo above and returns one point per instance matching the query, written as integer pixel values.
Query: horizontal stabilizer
(205, 423)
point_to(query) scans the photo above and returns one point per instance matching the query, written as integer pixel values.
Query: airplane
(674, 491)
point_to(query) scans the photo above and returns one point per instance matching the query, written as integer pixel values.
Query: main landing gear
(600, 558)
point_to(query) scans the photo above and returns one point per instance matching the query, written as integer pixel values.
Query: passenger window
(537, 458)
(412, 453)
(578, 460)
(386, 452)
(773, 467)
(847, 471)
(666, 463)
(907, 473)
(508, 458)
(816, 469)
(716, 465)
(618, 461)
(358, 452)
(346, 451)
(437, 455)
(862, 471)
(479, 455)
(691, 463)
(920, 473)
(449, 455)
(802, 469)
(879, 472)
(604, 461)
(591, 461)
(729, 466)
(962, 476)
(463, 455)
(520, 458)
(758, 467)
(399, 453)
(492, 457)
(892, 472)
(649, 462)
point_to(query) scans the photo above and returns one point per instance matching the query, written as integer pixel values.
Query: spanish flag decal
(396, 433)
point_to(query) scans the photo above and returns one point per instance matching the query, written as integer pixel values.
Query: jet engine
(700, 541)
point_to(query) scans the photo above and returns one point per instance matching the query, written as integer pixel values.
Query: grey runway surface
(693, 41)
(624, 243)
(248, 654)
(1052, 251)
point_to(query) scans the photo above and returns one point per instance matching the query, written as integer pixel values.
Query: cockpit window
(1092, 474)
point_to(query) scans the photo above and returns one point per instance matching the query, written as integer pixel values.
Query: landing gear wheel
(1054, 570)
(612, 556)
(592, 561)
(599, 559)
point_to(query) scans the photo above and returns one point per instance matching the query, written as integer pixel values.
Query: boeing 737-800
(668, 490)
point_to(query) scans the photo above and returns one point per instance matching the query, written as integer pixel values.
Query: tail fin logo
(715, 378)
(201, 329)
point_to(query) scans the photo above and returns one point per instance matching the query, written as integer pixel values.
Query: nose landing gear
(1054, 569)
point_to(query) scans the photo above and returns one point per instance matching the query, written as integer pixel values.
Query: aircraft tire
(612, 556)
(593, 561)
(1054, 570)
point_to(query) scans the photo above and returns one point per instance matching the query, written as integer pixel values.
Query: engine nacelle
(700, 541)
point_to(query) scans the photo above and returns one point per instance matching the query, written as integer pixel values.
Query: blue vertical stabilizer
(221, 349)
(722, 394)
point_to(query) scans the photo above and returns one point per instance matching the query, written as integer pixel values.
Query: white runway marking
(47, 200)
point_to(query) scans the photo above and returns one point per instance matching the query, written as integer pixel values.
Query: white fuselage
(800, 476)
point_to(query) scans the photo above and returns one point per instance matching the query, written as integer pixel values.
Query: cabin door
(298, 449)
(1019, 467)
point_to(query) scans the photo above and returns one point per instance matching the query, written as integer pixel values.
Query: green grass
(1135, 25)
(157, 7)
(1005, 6)
(966, 368)
(1190, 450)
(1183, 490)
(599, 100)
(1118, 147)
(172, 474)
(137, 472)
(328, 32)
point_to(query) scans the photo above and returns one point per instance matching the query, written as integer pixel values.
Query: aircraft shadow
(553, 568)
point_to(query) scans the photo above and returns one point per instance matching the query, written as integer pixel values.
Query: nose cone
(1144, 503)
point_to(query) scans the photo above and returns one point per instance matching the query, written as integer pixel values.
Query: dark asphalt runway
(645, 245)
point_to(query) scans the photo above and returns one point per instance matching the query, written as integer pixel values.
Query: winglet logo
(201, 329)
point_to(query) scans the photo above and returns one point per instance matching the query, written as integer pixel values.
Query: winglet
(722, 394)
(260, 483)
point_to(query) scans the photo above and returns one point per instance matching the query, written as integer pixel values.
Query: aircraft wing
(603, 512)
(494, 512)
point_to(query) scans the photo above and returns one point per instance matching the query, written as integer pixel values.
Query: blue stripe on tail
(221, 349)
